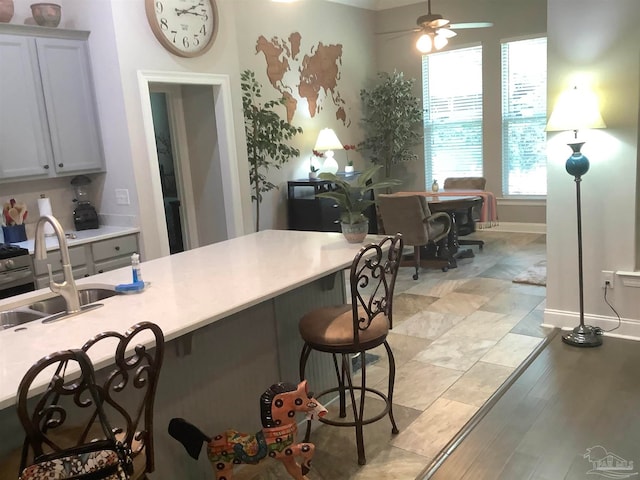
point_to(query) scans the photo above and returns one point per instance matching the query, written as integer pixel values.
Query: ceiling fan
(437, 30)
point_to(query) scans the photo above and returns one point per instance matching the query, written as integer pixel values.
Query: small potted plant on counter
(353, 198)
(349, 168)
(313, 172)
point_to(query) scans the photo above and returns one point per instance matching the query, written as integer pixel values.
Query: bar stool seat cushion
(331, 328)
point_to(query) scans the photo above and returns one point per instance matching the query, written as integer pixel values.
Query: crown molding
(377, 4)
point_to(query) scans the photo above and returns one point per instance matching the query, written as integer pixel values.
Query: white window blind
(452, 100)
(524, 115)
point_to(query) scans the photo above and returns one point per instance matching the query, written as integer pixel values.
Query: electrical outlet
(607, 279)
(122, 196)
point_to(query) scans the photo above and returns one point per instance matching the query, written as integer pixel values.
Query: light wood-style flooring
(572, 414)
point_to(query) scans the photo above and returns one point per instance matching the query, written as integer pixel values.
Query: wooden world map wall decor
(313, 77)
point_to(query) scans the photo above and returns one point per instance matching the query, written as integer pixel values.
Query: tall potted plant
(353, 199)
(267, 135)
(392, 121)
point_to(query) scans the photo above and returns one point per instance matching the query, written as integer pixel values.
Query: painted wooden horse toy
(278, 406)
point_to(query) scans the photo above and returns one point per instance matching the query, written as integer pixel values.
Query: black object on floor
(356, 360)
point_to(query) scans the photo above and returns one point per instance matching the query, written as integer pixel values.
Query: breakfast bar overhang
(229, 313)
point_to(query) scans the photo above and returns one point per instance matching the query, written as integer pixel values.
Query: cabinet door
(70, 101)
(115, 247)
(25, 148)
(77, 255)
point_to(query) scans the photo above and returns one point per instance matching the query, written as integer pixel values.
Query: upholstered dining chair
(410, 216)
(466, 219)
(352, 329)
(129, 388)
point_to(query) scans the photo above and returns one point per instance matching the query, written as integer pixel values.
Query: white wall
(122, 43)
(316, 22)
(511, 19)
(597, 42)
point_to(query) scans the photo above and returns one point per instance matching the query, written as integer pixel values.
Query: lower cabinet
(88, 259)
(113, 253)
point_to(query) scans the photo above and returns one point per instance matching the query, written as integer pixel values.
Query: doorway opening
(203, 147)
(167, 167)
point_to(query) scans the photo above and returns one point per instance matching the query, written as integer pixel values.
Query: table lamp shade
(328, 141)
(576, 109)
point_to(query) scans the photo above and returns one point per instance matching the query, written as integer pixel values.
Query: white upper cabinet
(48, 117)
(25, 147)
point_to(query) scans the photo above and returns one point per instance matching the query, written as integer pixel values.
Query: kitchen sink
(57, 304)
(53, 308)
(14, 318)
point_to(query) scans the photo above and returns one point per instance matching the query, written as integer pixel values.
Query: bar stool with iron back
(130, 386)
(349, 329)
(63, 422)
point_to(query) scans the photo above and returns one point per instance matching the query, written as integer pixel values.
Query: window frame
(506, 121)
(428, 123)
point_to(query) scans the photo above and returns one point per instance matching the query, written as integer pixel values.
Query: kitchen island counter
(186, 291)
(229, 313)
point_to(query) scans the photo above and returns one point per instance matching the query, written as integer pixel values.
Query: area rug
(534, 275)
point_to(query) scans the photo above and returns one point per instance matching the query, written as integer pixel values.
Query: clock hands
(190, 10)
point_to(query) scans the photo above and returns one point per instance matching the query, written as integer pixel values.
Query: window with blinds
(452, 99)
(524, 115)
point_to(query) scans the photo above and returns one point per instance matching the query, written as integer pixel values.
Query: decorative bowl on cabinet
(46, 14)
(6, 10)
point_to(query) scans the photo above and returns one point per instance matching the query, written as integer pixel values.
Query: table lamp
(328, 142)
(575, 110)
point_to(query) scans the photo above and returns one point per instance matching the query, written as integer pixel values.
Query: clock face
(184, 27)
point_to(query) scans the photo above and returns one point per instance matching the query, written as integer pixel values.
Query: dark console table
(307, 212)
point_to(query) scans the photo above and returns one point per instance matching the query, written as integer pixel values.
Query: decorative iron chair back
(45, 419)
(130, 387)
(373, 278)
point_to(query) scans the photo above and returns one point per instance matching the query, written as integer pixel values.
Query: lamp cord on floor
(606, 288)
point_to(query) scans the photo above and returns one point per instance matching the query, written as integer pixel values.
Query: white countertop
(187, 291)
(82, 236)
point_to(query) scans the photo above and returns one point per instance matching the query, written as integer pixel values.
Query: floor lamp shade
(328, 142)
(577, 109)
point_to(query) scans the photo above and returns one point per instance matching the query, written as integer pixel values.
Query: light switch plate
(122, 196)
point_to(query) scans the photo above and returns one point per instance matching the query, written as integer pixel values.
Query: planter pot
(355, 232)
(349, 169)
(313, 175)
(14, 233)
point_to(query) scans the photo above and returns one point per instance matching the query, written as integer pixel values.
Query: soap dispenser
(135, 267)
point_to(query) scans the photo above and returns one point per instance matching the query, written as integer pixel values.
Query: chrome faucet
(67, 288)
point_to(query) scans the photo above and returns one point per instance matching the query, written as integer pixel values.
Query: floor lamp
(575, 110)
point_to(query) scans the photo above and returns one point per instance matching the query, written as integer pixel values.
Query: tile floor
(457, 336)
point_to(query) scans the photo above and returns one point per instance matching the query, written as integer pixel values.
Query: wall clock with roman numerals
(184, 27)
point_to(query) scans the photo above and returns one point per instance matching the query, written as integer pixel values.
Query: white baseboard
(628, 329)
(516, 227)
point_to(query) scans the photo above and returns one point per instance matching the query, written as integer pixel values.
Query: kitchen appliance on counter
(85, 216)
(16, 271)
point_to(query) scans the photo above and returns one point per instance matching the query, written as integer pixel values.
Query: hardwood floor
(570, 407)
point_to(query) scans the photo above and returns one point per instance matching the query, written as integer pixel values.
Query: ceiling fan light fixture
(424, 43)
(446, 33)
(440, 41)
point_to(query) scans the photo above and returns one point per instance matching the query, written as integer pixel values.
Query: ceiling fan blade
(406, 30)
(462, 26)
